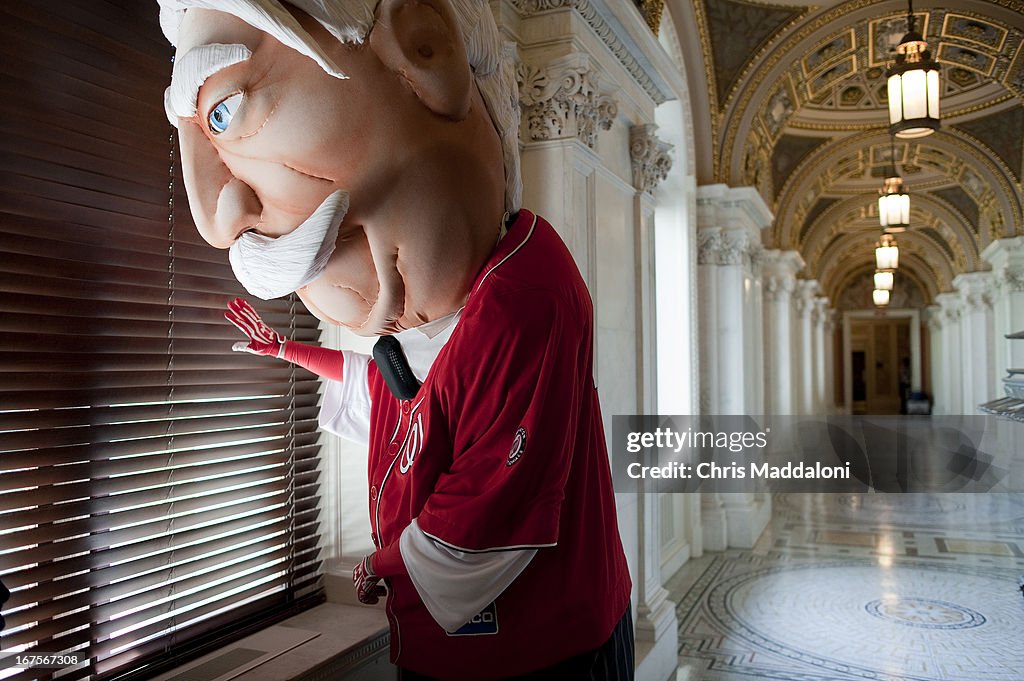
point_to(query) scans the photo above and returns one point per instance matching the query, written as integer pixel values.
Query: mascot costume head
(362, 154)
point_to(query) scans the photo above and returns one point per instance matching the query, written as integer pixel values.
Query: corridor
(913, 587)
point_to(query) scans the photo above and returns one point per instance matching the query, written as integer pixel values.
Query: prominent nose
(223, 206)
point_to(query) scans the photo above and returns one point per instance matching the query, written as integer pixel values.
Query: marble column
(831, 321)
(805, 294)
(1007, 259)
(818, 319)
(729, 222)
(779, 282)
(936, 356)
(729, 258)
(978, 342)
(952, 358)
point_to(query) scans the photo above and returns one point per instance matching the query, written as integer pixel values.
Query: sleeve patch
(518, 447)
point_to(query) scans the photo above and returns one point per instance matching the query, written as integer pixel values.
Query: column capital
(778, 287)
(564, 98)
(833, 318)
(934, 317)
(950, 305)
(1002, 252)
(806, 289)
(779, 273)
(1013, 279)
(782, 263)
(1007, 259)
(820, 311)
(728, 246)
(976, 289)
(649, 157)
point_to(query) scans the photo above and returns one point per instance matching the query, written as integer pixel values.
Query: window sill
(345, 642)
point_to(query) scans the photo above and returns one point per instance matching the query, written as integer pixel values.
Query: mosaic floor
(840, 587)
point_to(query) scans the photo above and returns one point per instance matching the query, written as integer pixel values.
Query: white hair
(350, 21)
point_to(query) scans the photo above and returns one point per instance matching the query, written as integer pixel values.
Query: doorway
(880, 361)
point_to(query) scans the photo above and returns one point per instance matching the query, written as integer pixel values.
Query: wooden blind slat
(157, 490)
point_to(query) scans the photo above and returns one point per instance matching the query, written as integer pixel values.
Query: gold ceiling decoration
(651, 11)
(801, 113)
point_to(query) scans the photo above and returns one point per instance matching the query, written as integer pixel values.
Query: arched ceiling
(790, 97)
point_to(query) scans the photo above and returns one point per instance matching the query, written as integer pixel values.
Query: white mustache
(272, 267)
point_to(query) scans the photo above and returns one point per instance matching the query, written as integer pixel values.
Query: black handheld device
(394, 367)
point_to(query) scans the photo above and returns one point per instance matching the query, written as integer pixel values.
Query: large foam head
(350, 21)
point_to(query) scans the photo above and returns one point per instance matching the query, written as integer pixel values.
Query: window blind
(158, 492)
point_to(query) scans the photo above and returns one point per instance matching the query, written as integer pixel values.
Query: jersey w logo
(412, 441)
(413, 444)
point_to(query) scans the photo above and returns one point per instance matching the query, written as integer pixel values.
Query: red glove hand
(263, 340)
(368, 586)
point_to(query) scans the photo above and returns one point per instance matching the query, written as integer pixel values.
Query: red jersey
(503, 448)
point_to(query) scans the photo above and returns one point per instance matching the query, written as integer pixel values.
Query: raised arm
(264, 341)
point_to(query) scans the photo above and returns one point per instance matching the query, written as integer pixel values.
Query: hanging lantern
(884, 280)
(887, 253)
(893, 200)
(913, 86)
(880, 297)
(894, 206)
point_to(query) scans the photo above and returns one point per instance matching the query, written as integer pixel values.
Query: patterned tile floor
(910, 587)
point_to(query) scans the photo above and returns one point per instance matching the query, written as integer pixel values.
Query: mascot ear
(420, 41)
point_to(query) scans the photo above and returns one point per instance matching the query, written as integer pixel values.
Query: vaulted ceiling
(790, 97)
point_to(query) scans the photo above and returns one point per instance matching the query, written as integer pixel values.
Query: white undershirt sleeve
(345, 406)
(453, 585)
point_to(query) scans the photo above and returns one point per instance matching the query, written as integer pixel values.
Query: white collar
(423, 343)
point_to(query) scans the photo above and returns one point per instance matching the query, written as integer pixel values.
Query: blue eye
(220, 118)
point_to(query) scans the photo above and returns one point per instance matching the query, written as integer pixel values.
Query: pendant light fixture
(887, 253)
(880, 297)
(893, 199)
(884, 280)
(913, 86)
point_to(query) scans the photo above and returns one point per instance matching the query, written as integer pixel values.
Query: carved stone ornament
(649, 156)
(979, 300)
(717, 246)
(563, 99)
(1013, 280)
(595, 18)
(806, 291)
(709, 243)
(778, 288)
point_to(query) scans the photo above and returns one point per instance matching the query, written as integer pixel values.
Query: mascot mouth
(273, 267)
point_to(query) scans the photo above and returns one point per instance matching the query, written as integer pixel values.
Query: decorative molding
(717, 246)
(778, 287)
(976, 290)
(649, 157)
(564, 99)
(819, 313)
(935, 318)
(657, 92)
(709, 243)
(980, 300)
(806, 293)
(1013, 279)
(833, 319)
